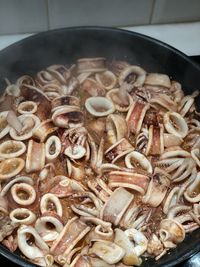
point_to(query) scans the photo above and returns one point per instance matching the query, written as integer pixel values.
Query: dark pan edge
(98, 28)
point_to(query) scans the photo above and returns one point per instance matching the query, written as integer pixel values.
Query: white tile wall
(25, 16)
(65, 13)
(166, 11)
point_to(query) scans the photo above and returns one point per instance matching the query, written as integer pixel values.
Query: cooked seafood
(99, 165)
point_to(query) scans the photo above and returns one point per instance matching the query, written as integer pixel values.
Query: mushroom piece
(12, 149)
(99, 106)
(11, 167)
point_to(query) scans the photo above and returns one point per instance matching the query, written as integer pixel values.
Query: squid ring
(22, 216)
(23, 194)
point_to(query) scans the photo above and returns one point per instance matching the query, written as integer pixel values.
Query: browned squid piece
(135, 116)
(35, 159)
(34, 94)
(73, 232)
(155, 145)
(129, 179)
(157, 188)
(118, 150)
(43, 130)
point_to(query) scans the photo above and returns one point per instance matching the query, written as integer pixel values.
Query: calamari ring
(11, 167)
(27, 107)
(12, 149)
(23, 188)
(22, 216)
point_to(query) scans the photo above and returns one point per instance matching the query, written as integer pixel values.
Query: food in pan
(99, 165)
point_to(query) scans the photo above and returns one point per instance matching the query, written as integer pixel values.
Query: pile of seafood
(99, 165)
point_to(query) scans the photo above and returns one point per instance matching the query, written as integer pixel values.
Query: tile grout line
(152, 11)
(47, 13)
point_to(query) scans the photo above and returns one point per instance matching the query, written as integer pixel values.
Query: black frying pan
(66, 45)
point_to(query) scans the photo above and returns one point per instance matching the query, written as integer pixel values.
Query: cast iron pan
(66, 45)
